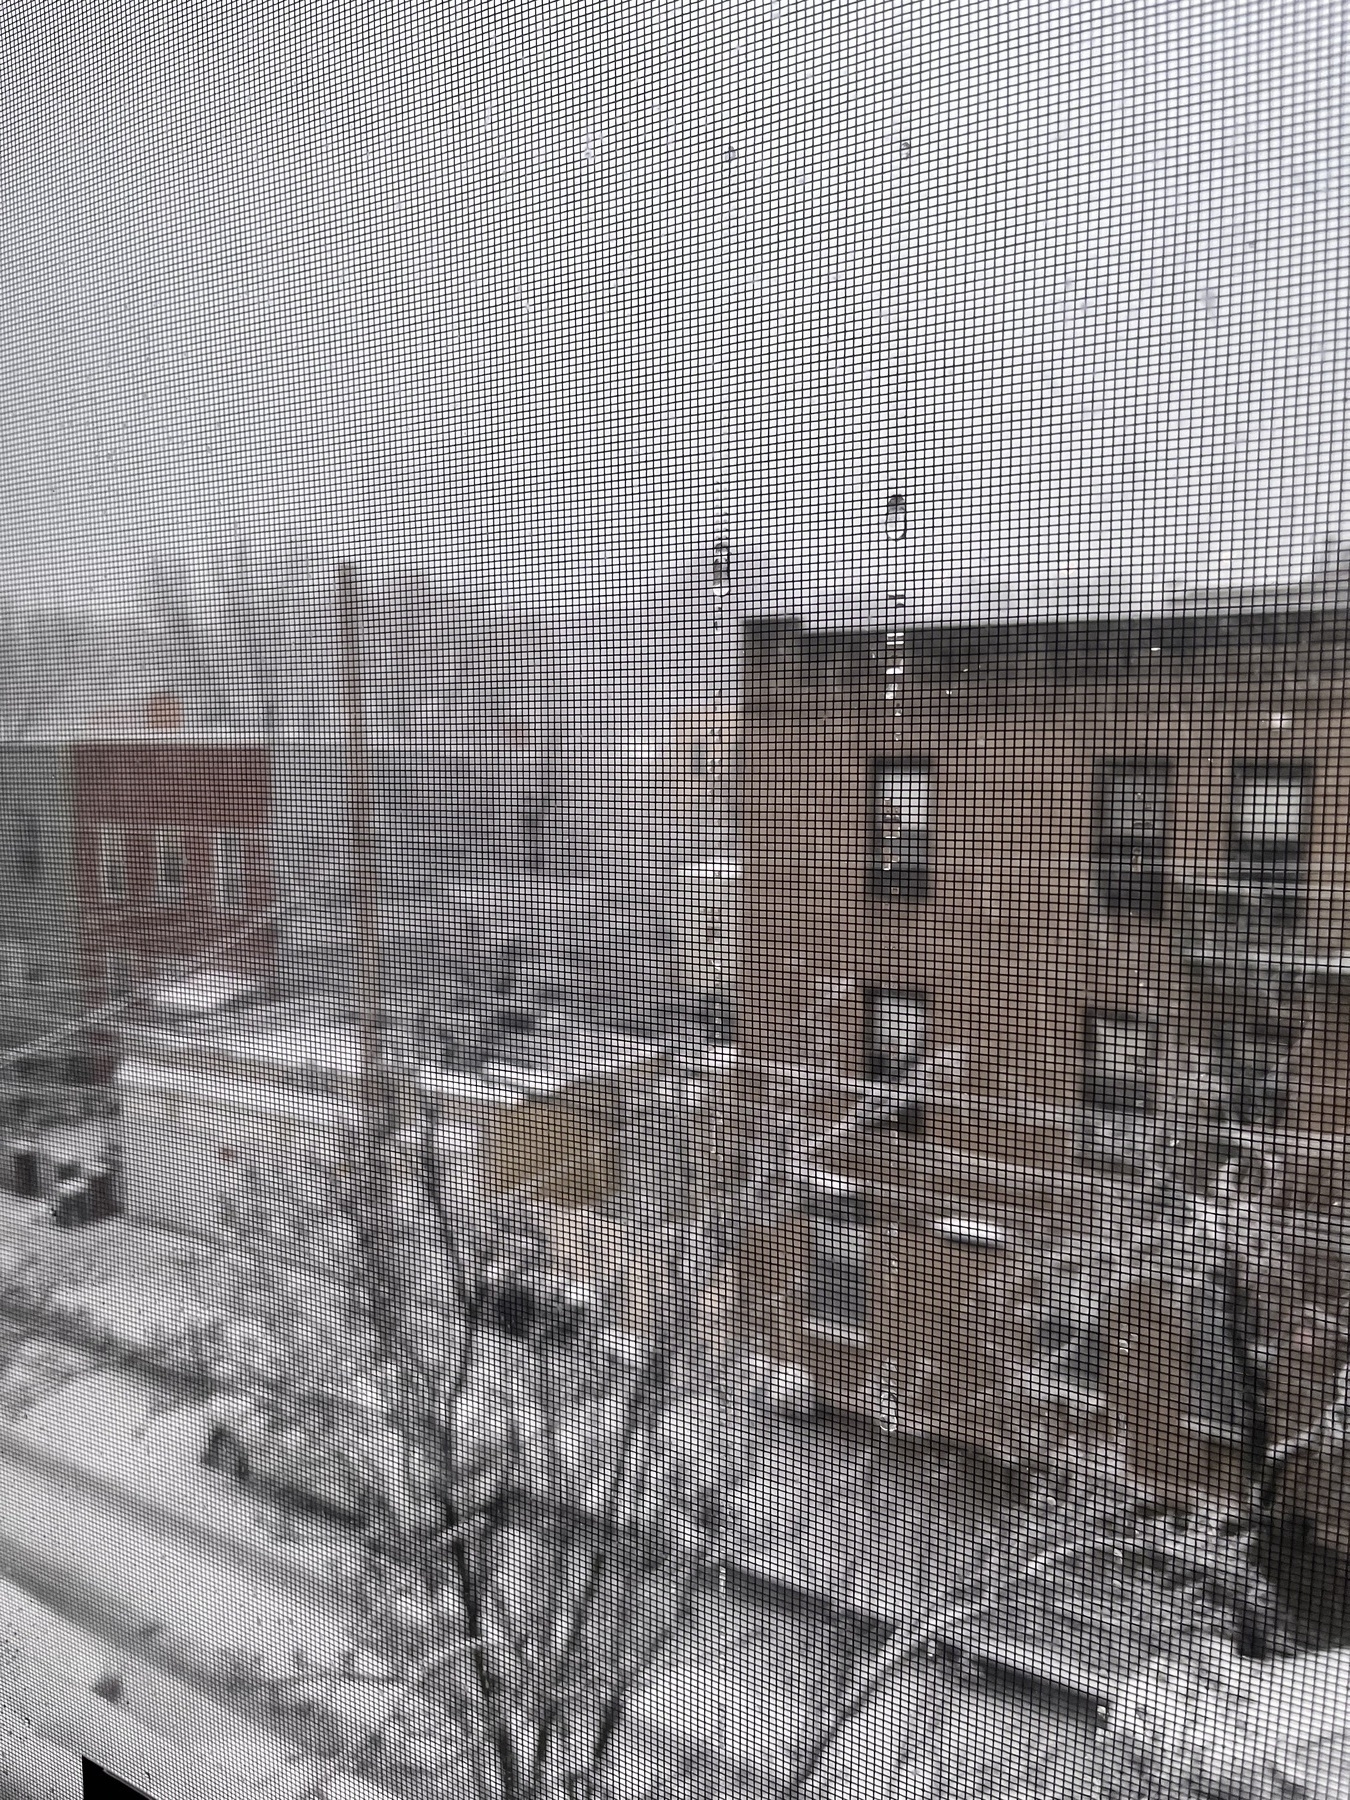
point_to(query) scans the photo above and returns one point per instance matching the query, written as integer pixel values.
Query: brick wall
(200, 791)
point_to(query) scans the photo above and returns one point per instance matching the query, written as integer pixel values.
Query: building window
(900, 829)
(1253, 1073)
(170, 865)
(1120, 1060)
(120, 972)
(1268, 825)
(28, 846)
(230, 880)
(1129, 837)
(838, 1288)
(896, 1025)
(112, 862)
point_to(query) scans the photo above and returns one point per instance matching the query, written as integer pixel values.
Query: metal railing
(1234, 920)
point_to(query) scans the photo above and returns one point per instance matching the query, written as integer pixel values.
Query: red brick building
(171, 858)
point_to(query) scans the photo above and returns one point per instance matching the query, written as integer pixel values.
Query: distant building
(144, 847)
(131, 849)
(41, 976)
(173, 858)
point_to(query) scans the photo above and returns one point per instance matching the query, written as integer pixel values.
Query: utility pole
(365, 891)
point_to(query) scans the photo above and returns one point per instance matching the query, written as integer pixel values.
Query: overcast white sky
(546, 295)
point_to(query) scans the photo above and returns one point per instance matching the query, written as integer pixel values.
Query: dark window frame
(839, 1276)
(1130, 868)
(900, 862)
(1274, 864)
(1102, 1092)
(910, 1119)
(168, 893)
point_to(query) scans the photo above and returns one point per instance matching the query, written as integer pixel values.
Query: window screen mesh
(674, 1014)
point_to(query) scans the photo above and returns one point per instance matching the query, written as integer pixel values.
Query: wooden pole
(365, 890)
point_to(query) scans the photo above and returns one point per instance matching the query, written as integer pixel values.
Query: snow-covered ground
(1239, 1728)
(129, 1565)
(65, 1693)
(796, 1524)
(184, 1588)
(111, 1521)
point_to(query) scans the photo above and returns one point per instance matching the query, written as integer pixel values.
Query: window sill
(1224, 1436)
(836, 1334)
(1081, 1403)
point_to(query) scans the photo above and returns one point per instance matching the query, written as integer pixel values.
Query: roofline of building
(1304, 602)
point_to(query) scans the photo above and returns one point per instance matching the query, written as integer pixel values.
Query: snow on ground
(143, 1726)
(1244, 1729)
(197, 1562)
(114, 1252)
(178, 1601)
(798, 1523)
(31, 1368)
(119, 1575)
(144, 1293)
(213, 1612)
(112, 1430)
(136, 1540)
(745, 1685)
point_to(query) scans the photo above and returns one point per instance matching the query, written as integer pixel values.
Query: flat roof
(559, 1053)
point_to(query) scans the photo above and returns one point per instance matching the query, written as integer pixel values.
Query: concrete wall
(186, 1134)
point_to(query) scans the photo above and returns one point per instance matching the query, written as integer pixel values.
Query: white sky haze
(547, 296)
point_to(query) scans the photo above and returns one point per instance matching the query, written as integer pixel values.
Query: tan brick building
(1055, 902)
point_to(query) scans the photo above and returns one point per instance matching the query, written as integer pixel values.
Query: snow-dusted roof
(201, 993)
(296, 1046)
(556, 1062)
(239, 1098)
(720, 868)
(74, 1143)
(559, 1054)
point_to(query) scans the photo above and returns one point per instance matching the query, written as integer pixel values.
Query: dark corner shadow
(99, 1785)
(1310, 1581)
